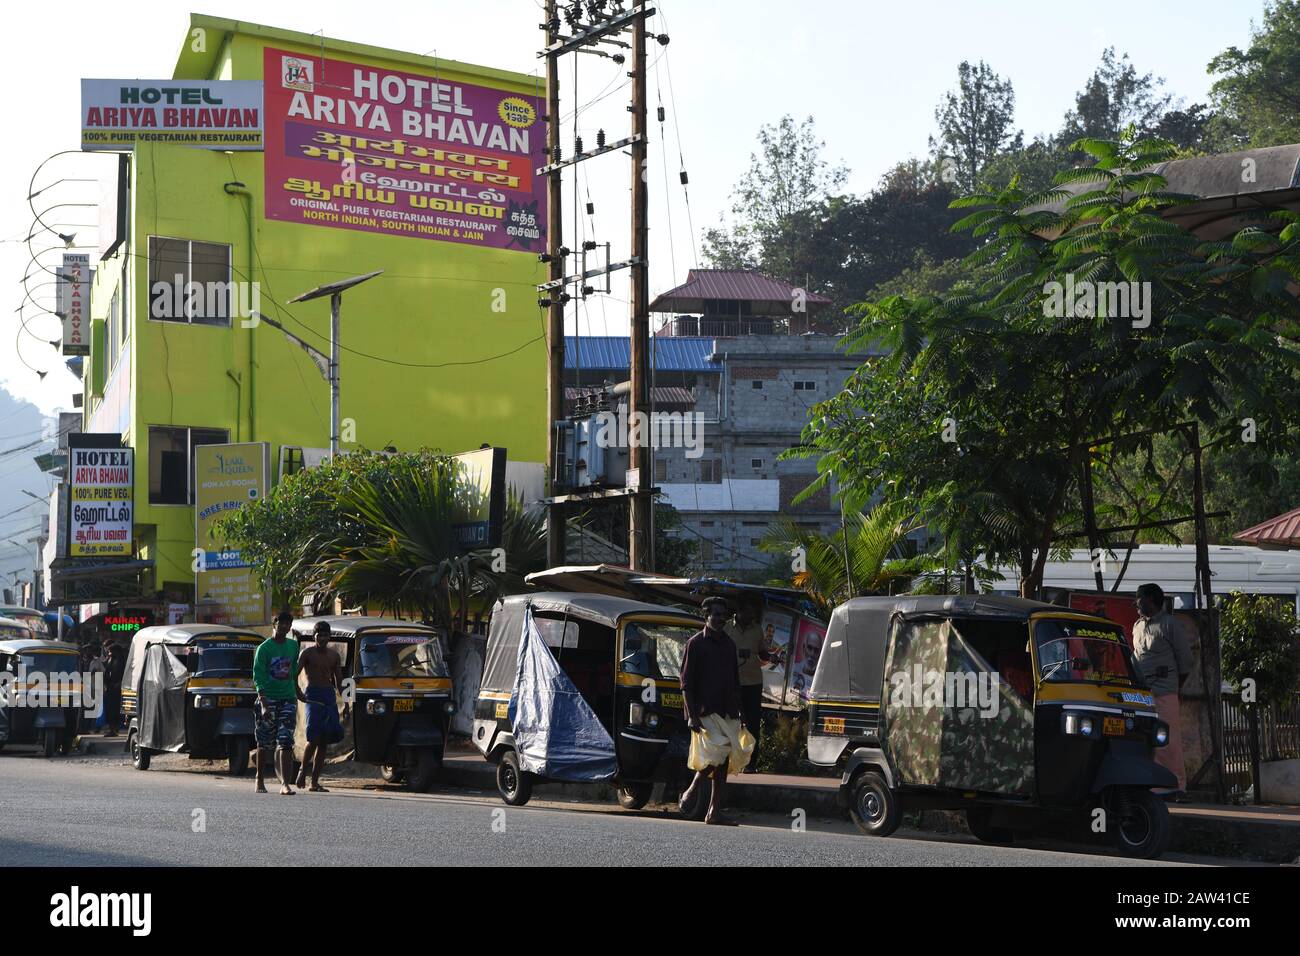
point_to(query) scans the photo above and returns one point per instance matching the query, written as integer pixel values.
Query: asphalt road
(92, 811)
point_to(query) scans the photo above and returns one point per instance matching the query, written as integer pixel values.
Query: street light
(335, 291)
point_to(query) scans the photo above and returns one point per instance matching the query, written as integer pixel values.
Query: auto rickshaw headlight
(652, 720)
(636, 715)
(449, 707)
(204, 702)
(1162, 733)
(1078, 724)
(376, 707)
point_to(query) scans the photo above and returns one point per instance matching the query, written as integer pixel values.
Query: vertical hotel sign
(100, 496)
(227, 477)
(74, 303)
(351, 146)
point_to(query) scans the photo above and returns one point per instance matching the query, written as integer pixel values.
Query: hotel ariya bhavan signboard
(218, 114)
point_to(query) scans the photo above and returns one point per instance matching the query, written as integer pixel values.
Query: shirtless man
(324, 671)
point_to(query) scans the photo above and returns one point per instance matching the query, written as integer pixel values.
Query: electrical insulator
(591, 209)
(555, 153)
(543, 257)
(577, 145)
(685, 179)
(564, 251)
(589, 245)
(660, 111)
(600, 138)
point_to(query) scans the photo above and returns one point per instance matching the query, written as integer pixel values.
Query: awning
(1282, 531)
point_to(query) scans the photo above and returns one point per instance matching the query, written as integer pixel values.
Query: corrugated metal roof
(613, 352)
(659, 395)
(1280, 532)
(764, 292)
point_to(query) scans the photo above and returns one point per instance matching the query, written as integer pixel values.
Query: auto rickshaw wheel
(139, 756)
(426, 770)
(978, 822)
(1141, 828)
(634, 796)
(514, 785)
(873, 805)
(51, 741)
(238, 759)
(391, 774)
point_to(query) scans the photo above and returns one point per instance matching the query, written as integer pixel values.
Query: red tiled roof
(746, 285)
(1280, 532)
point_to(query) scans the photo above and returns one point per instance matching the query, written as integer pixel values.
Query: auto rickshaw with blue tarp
(1017, 712)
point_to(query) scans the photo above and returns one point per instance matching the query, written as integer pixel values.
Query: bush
(784, 746)
(1261, 642)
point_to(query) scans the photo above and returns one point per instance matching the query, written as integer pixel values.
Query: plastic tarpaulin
(162, 700)
(557, 734)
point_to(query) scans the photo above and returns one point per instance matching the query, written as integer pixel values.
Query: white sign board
(218, 114)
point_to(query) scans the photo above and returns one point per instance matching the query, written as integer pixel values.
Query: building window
(706, 524)
(755, 463)
(756, 383)
(189, 281)
(114, 337)
(661, 469)
(755, 542)
(171, 461)
(291, 461)
(706, 550)
(805, 385)
(710, 471)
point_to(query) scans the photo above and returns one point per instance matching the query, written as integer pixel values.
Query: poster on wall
(101, 496)
(217, 114)
(777, 630)
(350, 146)
(807, 649)
(227, 477)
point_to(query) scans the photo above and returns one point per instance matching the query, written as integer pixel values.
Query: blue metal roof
(667, 353)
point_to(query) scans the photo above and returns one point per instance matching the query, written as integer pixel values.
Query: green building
(444, 349)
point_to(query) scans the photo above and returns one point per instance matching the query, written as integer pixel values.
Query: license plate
(227, 700)
(503, 709)
(403, 706)
(670, 699)
(833, 725)
(1113, 727)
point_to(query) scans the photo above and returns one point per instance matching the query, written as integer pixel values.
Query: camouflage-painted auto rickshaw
(1017, 712)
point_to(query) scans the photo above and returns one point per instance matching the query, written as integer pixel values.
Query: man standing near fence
(1164, 660)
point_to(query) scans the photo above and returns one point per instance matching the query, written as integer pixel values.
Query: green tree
(975, 123)
(1261, 643)
(785, 190)
(872, 548)
(1115, 97)
(981, 415)
(1258, 89)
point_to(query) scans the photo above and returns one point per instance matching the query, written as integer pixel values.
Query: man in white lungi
(710, 677)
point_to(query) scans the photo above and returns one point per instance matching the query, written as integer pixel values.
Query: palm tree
(872, 548)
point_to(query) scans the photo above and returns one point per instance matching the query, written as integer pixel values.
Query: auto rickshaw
(1018, 712)
(403, 687)
(595, 690)
(188, 689)
(42, 694)
(32, 618)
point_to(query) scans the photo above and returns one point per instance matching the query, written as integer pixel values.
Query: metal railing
(1253, 733)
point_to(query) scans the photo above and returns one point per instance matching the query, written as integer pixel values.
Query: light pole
(330, 370)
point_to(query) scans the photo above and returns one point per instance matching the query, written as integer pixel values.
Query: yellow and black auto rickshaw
(585, 687)
(1018, 712)
(40, 693)
(403, 694)
(188, 689)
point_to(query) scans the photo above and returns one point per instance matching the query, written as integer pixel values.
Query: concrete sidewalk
(1268, 834)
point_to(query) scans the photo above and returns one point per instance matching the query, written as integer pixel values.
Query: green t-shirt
(275, 669)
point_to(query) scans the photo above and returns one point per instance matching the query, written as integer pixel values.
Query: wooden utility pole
(640, 533)
(555, 514)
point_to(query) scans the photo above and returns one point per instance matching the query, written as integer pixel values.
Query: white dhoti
(722, 740)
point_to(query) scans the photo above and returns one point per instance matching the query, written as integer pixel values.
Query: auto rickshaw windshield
(35, 621)
(401, 655)
(1083, 651)
(655, 650)
(223, 658)
(12, 632)
(55, 663)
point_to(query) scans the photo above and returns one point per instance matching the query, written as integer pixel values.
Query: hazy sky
(870, 73)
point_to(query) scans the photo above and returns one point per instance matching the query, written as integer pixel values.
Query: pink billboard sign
(351, 146)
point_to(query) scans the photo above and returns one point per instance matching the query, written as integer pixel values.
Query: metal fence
(1254, 733)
